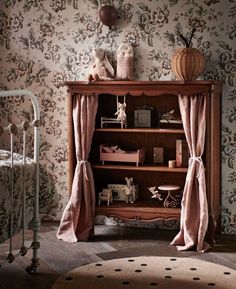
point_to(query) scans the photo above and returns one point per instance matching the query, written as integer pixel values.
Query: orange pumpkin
(187, 63)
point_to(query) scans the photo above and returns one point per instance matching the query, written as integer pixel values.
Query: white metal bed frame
(35, 222)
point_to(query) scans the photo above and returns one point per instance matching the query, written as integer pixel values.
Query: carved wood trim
(139, 88)
(138, 218)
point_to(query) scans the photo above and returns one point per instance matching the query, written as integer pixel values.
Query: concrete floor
(58, 257)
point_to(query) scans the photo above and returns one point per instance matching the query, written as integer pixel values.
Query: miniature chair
(105, 195)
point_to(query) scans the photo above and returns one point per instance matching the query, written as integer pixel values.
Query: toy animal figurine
(125, 62)
(130, 192)
(102, 68)
(155, 193)
(112, 149)
(121, 115)
(169, 115)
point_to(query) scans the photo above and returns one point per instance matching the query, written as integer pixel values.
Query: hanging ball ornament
(108, 15)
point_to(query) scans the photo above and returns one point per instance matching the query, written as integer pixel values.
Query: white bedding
(48, 199)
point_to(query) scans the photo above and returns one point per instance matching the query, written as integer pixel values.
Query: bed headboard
(35, 123)
(24, 126)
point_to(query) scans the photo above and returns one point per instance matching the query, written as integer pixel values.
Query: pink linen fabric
(194, 207)
(77, 222)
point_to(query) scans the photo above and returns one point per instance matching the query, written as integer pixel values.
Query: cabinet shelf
(141, 130)
(174, 121)
(138, 211)
(147, 168)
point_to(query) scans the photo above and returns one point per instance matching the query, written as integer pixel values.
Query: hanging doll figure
(125, 56)
(155, 193)
(121, 115)
(101, 68)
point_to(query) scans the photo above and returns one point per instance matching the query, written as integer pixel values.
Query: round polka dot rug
(149, 272)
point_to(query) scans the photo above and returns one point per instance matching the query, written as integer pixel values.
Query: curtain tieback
(81, 162)
(198, 159)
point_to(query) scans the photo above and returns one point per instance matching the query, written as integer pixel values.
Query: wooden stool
(170, 201)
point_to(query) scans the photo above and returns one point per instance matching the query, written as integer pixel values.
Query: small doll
(130, 192)
(155, 193)
(121, 115)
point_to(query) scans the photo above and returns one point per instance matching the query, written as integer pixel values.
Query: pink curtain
(77, 223)
(194, 208)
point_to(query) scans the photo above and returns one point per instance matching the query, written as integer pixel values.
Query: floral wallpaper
(44, 43)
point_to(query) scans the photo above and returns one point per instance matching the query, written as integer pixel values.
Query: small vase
(187, 63)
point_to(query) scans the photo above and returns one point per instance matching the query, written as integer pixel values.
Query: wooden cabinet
(163, 95)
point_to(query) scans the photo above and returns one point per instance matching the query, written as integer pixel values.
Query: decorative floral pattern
(44, 43)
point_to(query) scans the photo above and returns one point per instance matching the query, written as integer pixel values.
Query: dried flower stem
(184, 39)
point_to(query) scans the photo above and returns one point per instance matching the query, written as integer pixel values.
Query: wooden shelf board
(155, 205)
(136, 210)
(175, 121)
(141, 130)
(139, 168)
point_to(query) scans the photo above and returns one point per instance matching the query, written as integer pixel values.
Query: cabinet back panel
(162, 103)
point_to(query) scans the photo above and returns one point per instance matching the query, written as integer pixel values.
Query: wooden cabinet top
(144, 87)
